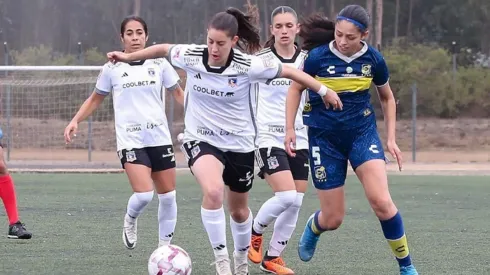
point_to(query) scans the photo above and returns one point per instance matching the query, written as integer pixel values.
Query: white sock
(137, 203)
(215, 224)
(242, 233)
(167, 216)
(272, 208)
(284, 227)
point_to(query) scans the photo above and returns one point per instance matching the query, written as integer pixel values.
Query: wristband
(323, 91)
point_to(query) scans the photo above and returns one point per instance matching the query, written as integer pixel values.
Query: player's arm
(179, 95)
(102, 89)
(89, 106)
(171, 81)
(388, 105)
(155, 51)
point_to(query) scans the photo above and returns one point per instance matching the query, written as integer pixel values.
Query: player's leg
(238, 176)
(274, 167)
(368, 160)
(328, 165)
(286, 222)
(17, 229)
(163, 175)
(206, 163)
(137, 165)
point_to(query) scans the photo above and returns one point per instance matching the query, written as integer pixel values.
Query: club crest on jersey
(366, 69)
(130, 156)
(320, 173)
(151, 71)
(233, 82)
(272, 162)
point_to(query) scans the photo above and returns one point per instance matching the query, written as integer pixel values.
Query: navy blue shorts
(331, 149)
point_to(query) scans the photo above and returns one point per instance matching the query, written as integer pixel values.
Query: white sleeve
(264, 69)
(103, 86)
(170, 78)
(178, 54)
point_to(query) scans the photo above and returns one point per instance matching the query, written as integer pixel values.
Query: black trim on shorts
(238, 173)
(273, 159)
(158, 158)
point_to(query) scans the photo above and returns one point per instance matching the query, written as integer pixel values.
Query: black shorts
(157, 158)
(272, 160)
(238, 174)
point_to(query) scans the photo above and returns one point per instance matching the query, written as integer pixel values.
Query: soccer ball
(169, 260)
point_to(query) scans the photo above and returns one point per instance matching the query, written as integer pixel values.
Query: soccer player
(349, 65)
(17, 229)
(144, 143)
(219, 124)
(287, 176)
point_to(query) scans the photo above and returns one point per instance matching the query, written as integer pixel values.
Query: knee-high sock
(8, 196)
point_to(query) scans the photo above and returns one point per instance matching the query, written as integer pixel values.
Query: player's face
(348, 37)
(284, 28)
(134, 37)
(219, 46)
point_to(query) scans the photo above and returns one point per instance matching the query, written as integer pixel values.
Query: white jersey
(218, 103)
(139, 102)
(271, 105)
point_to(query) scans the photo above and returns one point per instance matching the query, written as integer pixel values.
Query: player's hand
(71, 130)
(332, 99)
(395, 152)
(290, 142)
(118, 57)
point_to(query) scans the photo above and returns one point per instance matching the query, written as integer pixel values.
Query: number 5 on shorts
(315, 153)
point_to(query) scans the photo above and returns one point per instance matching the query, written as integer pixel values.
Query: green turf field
(77, 221)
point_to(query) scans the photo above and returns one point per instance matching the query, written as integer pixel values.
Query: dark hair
(316, 30)
(355, 14)
(276, 11)
(235, 22)
(133, 18)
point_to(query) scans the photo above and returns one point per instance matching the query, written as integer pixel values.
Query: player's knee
(240, 214)
(167, 198)
(214, 195)
(145, 197)
(298, 201)
(383, 207)
(286, 198)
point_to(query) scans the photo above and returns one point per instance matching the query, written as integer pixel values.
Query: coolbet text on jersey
(336, 136)
(218, 100)
(271, 104)
(137, 89)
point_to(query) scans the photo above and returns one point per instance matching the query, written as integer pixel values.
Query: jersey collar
(286, 60)
(218, 70)
(348, 59)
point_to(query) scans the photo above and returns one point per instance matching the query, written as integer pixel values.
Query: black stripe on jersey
(137, 63)
(241, 58)
(219, 70)
(264, 51)
(244, 63)
(286, 60)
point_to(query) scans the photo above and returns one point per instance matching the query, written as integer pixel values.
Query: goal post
(37, 102)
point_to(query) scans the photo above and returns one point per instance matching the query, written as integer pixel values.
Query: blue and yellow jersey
(351, 78)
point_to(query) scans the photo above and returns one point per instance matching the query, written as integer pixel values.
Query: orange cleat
(276, 266)
(255, 251)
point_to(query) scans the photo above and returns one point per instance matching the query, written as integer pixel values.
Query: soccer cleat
(241, 264)
(18, 231)
(408, 270)
(223, 266)
(129, 235)
(275, 265)
(255, 251)
(307, 242)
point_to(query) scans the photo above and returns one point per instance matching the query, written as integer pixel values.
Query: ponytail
(316, 30)
(247, 30)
